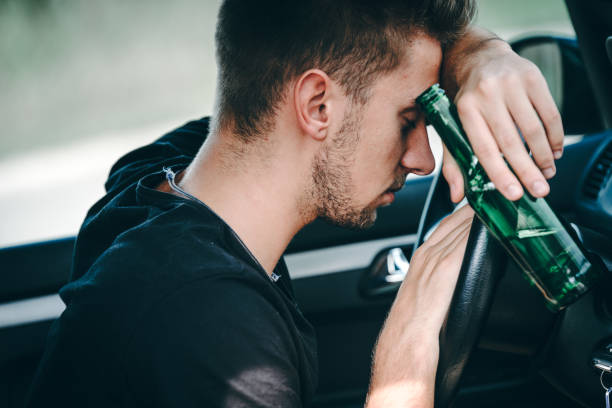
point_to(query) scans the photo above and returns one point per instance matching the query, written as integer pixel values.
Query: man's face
(379, 143)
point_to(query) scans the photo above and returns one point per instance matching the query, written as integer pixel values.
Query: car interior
(501, 346)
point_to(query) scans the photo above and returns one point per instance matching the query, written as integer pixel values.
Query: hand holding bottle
(498, 94)
(527, 228)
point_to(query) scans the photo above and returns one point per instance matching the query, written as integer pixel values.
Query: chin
(358, 220)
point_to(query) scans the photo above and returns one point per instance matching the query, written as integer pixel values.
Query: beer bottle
(527, 228)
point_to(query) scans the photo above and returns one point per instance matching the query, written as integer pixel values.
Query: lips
(397, 185)
(395, 188)
(389, 195)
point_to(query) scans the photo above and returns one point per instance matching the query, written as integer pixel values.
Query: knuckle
(532, 74)
(465, 104)
(532, 130)
(511, 80)
(506, 140)
(557, 144)
(484, 152)
(529, 65)
(487, 86)
(544, 161)
(551, 115)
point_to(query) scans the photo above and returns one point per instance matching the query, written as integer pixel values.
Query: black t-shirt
(166, 307)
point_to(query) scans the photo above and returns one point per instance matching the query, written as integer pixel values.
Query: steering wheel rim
(483, 266)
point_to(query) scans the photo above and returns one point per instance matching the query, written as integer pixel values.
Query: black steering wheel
(483, 265)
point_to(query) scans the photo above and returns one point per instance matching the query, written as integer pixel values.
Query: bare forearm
(408, 385)
(406, 354)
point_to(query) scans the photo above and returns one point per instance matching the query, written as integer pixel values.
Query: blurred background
(83, 82)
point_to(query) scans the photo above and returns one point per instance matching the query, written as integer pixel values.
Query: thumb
(453, 176)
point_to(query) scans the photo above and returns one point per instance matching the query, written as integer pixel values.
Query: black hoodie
(167, 308)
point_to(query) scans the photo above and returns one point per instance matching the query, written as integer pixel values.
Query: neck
(257, 191)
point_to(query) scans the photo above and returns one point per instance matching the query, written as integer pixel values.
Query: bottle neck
(444, 118)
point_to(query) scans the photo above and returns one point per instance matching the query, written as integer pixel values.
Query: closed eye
(407, 127)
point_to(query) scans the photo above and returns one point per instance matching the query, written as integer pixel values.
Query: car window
(84, 82)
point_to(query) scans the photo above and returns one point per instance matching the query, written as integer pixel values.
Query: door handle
(386, 273)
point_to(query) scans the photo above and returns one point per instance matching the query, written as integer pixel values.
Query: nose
(418, 158)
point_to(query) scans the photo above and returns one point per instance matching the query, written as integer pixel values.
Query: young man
(180, 296)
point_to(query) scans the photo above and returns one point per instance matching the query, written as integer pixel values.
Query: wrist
(466, 53)
(492, 41)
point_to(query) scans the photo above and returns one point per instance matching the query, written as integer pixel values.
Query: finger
(532, 129)
(448, 255)
(510, 144)
(547, 110)
(429, 256)
(487, 151)
(450, 223)
(441, 245)
(453, 176)
(454, 247)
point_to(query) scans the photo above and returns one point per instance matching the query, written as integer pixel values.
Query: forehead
(419, 69)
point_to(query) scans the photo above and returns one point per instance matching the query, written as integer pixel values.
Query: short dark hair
(264, 44)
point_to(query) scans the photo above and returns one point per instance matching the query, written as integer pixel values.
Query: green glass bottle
(527, 228)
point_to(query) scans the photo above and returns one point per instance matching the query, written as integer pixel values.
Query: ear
(312, 97)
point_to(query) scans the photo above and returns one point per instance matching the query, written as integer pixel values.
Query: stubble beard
(332, 181)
